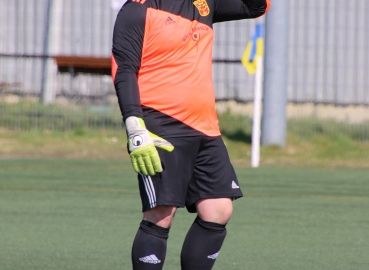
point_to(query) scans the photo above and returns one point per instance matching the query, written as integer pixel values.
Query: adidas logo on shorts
(234, 185)
(214, 256)
(150, 259)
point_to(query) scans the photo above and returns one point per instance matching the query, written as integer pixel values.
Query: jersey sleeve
(126, 57)
(228, 10)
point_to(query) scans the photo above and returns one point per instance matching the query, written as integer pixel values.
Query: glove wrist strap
(133, 124)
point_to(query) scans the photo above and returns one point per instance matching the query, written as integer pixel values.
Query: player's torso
(175, 77)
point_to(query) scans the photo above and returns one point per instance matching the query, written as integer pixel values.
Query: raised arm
(229, 10)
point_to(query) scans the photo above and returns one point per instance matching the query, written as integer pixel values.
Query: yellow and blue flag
(254, 49)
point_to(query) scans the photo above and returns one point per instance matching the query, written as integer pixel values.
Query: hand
(141, 146)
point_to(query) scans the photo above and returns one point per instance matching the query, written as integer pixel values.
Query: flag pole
(252, 60)
(256, 122)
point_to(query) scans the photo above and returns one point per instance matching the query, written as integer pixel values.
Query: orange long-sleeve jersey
(162, 61)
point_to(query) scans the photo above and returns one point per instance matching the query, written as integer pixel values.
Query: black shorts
(197, 168)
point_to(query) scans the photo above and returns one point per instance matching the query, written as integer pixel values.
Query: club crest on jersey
(202, 6)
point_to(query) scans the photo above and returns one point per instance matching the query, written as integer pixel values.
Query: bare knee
(161, 215)
(218, 210)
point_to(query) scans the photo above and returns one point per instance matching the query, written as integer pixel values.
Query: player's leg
(210, 194)
(150, 244)
(206, 235)
(218, 210)
(161, 215)
(161, 194)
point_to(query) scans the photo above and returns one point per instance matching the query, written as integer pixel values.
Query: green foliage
(310, 142)
(97, 132)
(34, 115)
(236, 127)
(311, 127)
(79, 132)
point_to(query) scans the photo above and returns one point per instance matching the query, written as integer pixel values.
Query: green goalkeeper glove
(141, 145)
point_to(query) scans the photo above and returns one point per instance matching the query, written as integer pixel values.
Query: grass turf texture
(83, 214)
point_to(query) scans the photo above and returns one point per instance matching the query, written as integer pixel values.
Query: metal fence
(328, 53)
(33, 32)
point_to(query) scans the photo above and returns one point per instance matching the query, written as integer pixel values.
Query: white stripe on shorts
(150, 190)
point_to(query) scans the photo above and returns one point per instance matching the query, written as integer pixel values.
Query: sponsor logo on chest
(193, 31)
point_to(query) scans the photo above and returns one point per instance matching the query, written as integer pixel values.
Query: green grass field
(83, 214)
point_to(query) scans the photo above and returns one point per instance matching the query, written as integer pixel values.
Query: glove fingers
(142, 147)
(135, 164)
(141, 165)
(155, 161)
(148, 164)
(143, 162)
(146, 160)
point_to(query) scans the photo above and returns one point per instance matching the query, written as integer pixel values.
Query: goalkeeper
(161, 68)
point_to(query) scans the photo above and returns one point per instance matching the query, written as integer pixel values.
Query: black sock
(149, 247)
(202, 245)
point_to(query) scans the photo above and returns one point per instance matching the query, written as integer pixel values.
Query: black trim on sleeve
(228, 10)
(128, 37)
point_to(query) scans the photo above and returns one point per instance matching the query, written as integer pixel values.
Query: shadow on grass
(238, 135)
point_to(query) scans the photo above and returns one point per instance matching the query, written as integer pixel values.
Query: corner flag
(254, 49)
(252, 59)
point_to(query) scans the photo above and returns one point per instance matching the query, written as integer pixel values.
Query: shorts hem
(192, 209)
(221, 195)
(176, 204)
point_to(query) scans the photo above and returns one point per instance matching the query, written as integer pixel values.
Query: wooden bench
(98, 65)
(83, 64)
(5, 85)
